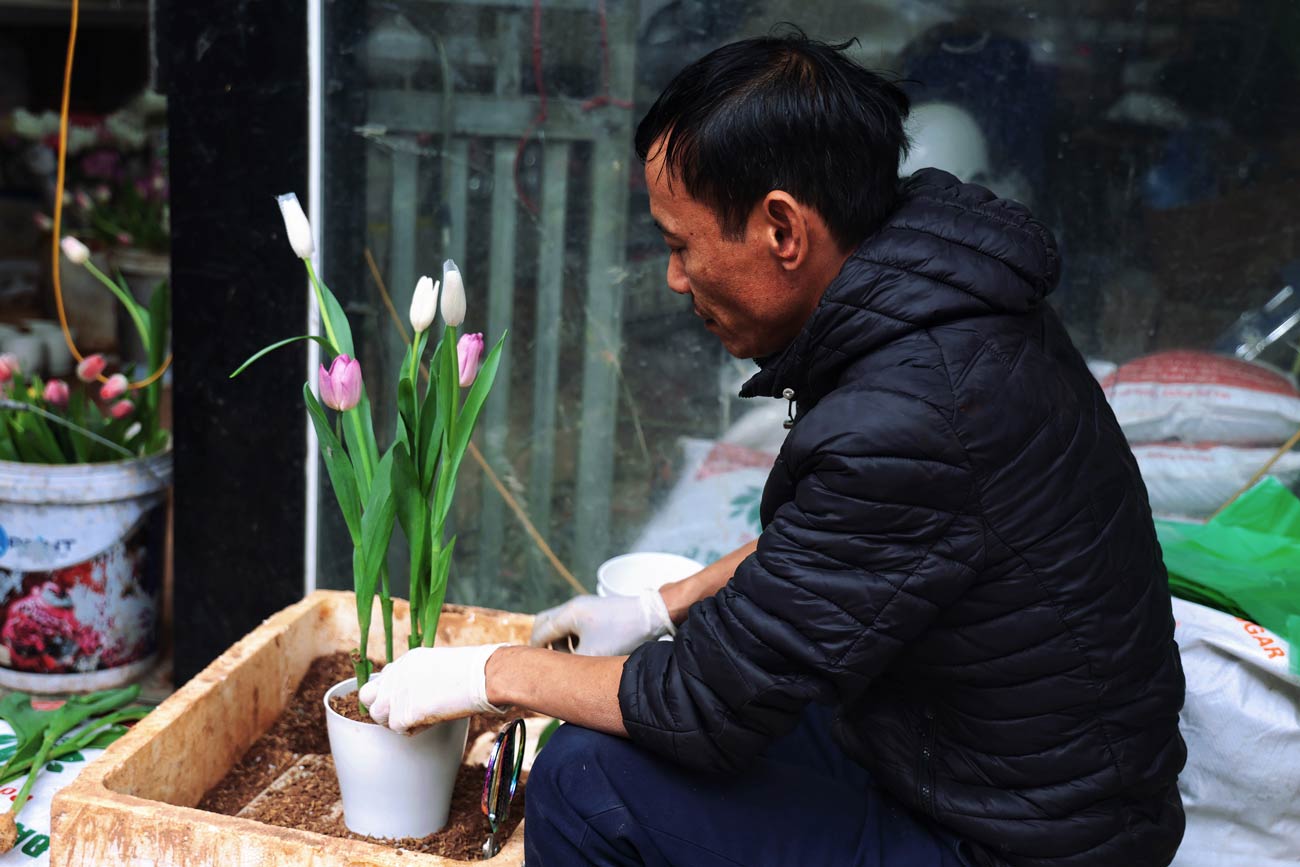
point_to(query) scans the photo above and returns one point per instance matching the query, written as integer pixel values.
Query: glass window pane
(1158, 140)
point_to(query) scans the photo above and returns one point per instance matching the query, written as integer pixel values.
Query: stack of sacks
(1201, 425)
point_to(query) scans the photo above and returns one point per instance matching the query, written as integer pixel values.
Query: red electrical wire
(604, 98)
(540, 117)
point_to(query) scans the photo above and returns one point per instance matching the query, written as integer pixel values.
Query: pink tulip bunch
(439, 395)
(71, 423)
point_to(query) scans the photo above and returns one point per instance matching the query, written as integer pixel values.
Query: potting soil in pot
(287, 777)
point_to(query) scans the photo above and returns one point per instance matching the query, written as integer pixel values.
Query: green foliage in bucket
(95, 418)
(439, 397)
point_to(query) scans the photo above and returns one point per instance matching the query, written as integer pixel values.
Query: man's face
(738, 288)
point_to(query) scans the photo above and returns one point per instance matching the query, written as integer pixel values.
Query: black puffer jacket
(957, 552)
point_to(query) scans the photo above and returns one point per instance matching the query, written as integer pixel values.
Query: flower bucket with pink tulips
(395, 786)
(84, 471)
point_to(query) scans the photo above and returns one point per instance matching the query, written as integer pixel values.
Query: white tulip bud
(424, 304)
(77, 252)
(453, 294)
(296, 226)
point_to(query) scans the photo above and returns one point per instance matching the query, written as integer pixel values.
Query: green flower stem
(354, 418)
(42, 756)
(415, 372)
(127, 301)
(440, 566)
(320, 304)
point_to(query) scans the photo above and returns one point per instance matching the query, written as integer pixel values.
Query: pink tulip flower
(9, 366)
(340, 386)
(56, 393)
(114, 388)
(469, 355)
(121, 409)
(91, 367)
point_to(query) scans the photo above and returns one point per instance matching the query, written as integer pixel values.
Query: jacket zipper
(926, 764)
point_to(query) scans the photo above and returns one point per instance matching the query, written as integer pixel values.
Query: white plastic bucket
(632, 574)
(81, 568)
(393, 785)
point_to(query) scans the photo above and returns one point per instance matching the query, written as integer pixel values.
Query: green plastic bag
(1245, 560)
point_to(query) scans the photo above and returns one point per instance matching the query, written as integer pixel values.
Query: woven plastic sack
(1241, 722)
(1191, 481)
(1198, 397)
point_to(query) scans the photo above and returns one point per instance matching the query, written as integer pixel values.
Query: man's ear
(785, 229)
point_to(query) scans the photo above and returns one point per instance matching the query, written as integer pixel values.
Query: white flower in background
(77, 252)
(296, 226)
(424, 304)
(453, 294)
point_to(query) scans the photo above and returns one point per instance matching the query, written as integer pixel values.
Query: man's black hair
(782, 112)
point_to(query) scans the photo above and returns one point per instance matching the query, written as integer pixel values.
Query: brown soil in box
(310, 803)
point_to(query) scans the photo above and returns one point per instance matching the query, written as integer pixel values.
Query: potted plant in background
(84, 471)
(115, 199)
(394, 786)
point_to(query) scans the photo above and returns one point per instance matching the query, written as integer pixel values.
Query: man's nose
(677, 276)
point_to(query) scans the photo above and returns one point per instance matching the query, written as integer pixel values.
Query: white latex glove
(428, 685)
(605, 625)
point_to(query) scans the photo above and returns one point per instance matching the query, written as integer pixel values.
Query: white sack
(1201, 397)
(1193, 481)
(1241, 722)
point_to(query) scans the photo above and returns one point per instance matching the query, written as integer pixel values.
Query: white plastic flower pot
(392, 785)
(633, 574)
(81, 570)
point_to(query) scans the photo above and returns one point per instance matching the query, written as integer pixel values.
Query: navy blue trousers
(594, 799)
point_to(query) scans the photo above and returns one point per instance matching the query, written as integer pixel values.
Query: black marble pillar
(235, 74)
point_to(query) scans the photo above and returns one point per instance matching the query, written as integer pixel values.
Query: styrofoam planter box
(134, 805)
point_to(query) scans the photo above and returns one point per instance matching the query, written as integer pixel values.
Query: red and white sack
(1193, 481)
(1241, 722)
(1202, 397)
(713, 509)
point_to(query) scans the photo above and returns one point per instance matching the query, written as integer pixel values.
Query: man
(957, 560)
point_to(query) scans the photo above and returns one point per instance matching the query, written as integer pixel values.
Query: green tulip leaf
(377, 524)
(413, 515)
(437, 591)
(334, 319)
(265, 350)
(359, 434)
(432, 423)
(337, 465)
(464, 429)
(409, 427)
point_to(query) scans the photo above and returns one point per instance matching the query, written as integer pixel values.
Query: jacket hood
(950, 251)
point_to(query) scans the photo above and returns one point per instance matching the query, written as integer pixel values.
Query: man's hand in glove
(428, 685)
(605, 625)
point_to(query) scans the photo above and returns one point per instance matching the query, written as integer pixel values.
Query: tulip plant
(414, 480)
(98, 420)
